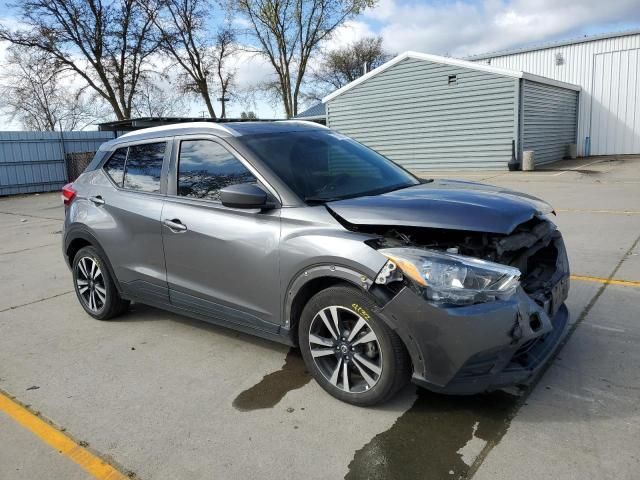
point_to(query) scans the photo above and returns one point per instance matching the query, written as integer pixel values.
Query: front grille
(536, 248)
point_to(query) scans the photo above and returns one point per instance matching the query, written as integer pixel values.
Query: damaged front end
(478, 311)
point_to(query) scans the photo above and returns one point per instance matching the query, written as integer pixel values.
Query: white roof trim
(173, 126)
(447, 61)
(550, 45)
(550, 81)
(303, 121)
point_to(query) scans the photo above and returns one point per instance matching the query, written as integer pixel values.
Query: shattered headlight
(453, 279)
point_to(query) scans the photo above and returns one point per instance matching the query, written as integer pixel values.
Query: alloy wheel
(91, 284)
(345, 349)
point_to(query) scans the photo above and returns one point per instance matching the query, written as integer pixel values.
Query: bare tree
(37, 93)
(288, 32)
(185, 37)
(225, 48)
(107, 43)
(154, 99)
(344, 65)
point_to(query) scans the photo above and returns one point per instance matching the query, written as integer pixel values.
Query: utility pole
(223, 100)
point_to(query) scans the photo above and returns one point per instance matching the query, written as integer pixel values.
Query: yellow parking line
(57, 440)
(626, 283)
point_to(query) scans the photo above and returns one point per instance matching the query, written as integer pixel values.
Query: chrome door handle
(175, 225)
(97, 200)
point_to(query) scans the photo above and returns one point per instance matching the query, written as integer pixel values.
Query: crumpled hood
(448, 204)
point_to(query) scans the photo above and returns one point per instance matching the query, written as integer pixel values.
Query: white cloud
(252, 69)
(464, 27)
(348, 33)
(384, 10)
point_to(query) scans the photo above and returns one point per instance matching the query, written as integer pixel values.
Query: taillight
(68, 194)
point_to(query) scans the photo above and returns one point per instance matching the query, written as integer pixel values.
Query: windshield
(321, 165)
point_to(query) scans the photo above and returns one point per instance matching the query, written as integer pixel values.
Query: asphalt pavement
(159, 396)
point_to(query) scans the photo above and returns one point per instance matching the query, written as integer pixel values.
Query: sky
(454, 28)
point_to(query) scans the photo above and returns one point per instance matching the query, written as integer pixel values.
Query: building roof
(316, 111)
(448, 61)
(547, 45)
(146, 122)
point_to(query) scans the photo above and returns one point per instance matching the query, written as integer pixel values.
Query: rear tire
(95, 289)
(357, 358)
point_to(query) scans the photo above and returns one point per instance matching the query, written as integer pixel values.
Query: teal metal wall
(416, 116)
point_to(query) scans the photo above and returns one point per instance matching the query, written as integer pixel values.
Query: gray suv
(296, 233)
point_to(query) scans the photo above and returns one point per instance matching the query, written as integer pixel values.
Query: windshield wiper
(320, 200)
(377, 191)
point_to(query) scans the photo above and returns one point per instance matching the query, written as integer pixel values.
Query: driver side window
(205, 167)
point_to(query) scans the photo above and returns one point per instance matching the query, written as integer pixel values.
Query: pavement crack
(27, 249)
(525, 395)
(30, 216)
(35, 301)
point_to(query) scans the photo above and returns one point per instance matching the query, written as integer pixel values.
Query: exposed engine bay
(534, 247)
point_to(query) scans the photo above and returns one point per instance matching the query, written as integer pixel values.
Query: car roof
(221, 129)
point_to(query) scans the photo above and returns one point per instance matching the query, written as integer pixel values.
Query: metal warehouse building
(607, 67)
(425, 111)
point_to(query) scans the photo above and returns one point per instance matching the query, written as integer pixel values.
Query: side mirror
(244, 195)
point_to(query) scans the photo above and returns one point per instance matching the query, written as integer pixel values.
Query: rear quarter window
(115, 166)
(138, 167)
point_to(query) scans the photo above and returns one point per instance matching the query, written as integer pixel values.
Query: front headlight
(455, 279)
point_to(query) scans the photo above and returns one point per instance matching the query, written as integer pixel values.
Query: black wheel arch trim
(314, 272)
(75, 232)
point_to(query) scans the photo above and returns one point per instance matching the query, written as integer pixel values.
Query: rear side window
(205, 167)
(144, 167)
(115, 166)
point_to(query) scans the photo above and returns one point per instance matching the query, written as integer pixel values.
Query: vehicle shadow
(139, 312)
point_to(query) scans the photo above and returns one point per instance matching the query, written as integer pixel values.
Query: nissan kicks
(296, 233)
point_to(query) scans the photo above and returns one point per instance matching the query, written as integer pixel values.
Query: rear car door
(221, 262)
(127, 219)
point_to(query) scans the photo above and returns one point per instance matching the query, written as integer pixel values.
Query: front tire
(349, 350)
(94, 286)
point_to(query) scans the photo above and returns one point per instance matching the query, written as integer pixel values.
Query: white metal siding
(411, 114)
(615, 108)
(578, 68)
(549, 120)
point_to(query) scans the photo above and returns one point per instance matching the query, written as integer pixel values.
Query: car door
(127, 217)
(221, 262)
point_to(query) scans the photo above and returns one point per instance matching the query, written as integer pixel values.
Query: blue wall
(34, 161)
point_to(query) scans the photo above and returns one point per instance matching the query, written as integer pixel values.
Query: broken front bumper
(467, 350)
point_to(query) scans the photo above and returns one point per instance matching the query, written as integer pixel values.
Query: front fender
(307, 275)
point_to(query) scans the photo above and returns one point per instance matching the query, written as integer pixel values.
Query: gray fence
(35, 161)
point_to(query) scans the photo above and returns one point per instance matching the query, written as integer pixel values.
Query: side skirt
(281, 336)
